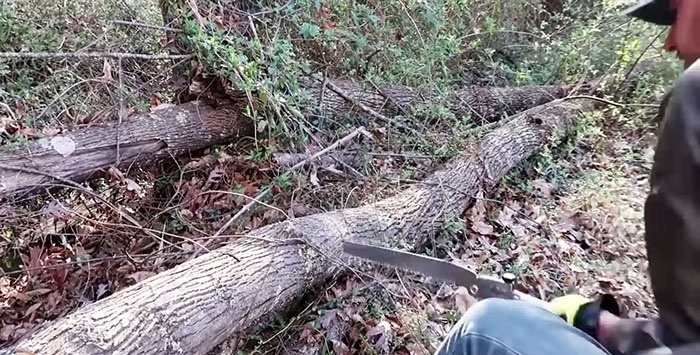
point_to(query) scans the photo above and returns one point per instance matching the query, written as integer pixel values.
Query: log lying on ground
(482, 104)
(142, 139)
(195, 306)
(192, 126)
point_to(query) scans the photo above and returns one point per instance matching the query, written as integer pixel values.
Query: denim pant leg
(513, 327)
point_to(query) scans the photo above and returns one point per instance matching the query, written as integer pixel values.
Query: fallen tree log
(482, 104)
(143, 139)
(195, 306)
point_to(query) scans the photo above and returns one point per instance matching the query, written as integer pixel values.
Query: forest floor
(569, 221)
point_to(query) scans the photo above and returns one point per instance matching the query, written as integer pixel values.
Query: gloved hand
(583, 313)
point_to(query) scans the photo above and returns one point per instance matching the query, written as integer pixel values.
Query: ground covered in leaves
(568, 220)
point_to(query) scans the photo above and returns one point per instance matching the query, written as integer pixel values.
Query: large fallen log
(77, 156)
(193, 307)
(173, 131)
(481, 104)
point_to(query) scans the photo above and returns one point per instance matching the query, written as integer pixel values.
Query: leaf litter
(583, 234)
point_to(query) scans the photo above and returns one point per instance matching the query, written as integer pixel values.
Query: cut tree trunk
(143, 139)
(193, 307)
(481, 104)
(173, 131)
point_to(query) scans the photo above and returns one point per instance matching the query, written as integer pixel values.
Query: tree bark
(144, 139)
(195, 306)
(481, 104)
(195, 125)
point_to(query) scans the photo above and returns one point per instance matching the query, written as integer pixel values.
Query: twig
(362, 106)
(77, 262)
(121, 111)
(342, 141)
(195, 11)
(271, 11)
(57, 98)
(389, 98)
(264, 193)
(81, 188)
(634, 65)
(9, 111)
(140, 24)
(594, 98)
(47, 55)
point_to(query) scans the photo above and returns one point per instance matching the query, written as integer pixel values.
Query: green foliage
(438, 45)
(58, 92)
(453, 225)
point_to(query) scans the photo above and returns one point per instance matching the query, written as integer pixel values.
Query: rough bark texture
(195, 306)
(163, 133)
(194, 125)
(482, 104)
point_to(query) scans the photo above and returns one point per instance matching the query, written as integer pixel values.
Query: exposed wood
(481, 104)
(195, 306)
(143, 139)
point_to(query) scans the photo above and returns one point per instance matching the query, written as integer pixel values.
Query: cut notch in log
(195, 306)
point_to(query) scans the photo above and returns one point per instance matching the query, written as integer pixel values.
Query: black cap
(655, 11)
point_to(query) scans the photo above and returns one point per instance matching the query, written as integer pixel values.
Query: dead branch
(84, 55)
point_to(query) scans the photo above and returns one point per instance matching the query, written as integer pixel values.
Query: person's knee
(488, 314)
(491, 307)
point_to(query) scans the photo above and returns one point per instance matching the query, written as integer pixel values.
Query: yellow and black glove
(583, 313)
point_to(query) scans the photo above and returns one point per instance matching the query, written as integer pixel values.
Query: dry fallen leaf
(340, 348)
(6, 332)
(63, 145)
(38, 292)
(463, 300)
(141, 275)
(162, 106)
(482, 228)
(101, 290)
(32, 309)
(215, 177)
(543, 187)
(106, 72)
(383, 334)
(313, 176)
(430, 311)
(131, 185)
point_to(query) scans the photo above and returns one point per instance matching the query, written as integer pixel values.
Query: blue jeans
(512, 327)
